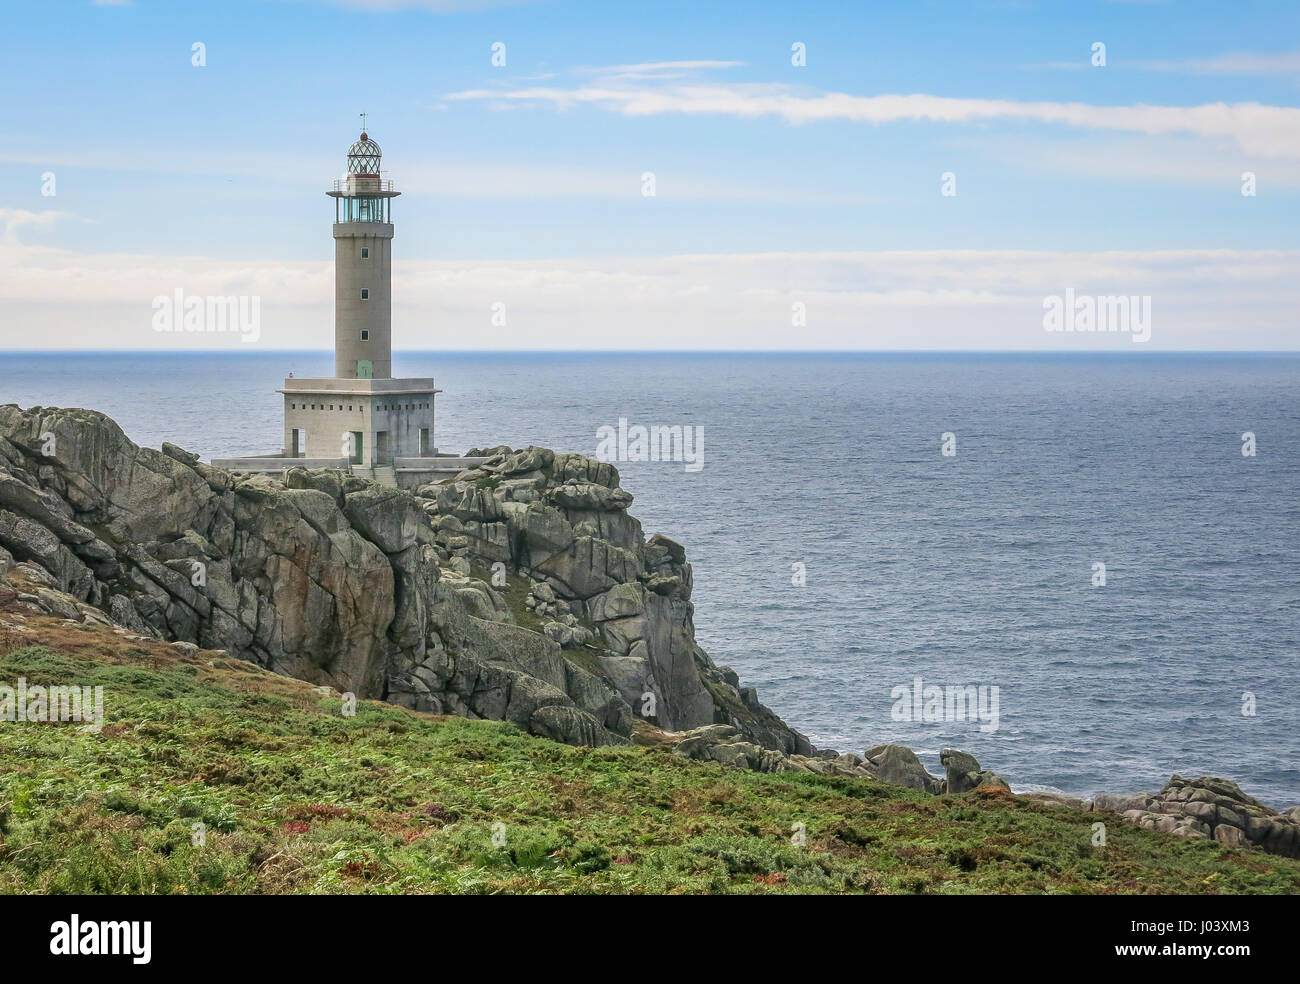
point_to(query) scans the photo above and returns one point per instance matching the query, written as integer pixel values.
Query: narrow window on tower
(365, 334)
(365, 252)
(365, 293)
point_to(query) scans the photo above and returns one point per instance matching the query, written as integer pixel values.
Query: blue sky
(534, 170)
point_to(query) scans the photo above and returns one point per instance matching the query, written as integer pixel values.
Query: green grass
(296, 798)
(517, 590)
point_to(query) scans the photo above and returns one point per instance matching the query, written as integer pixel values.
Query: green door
(365, 369)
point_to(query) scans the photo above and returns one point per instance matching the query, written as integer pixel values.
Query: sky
(824, 176)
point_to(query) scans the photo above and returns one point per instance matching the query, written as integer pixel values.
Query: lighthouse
(363, 266)
(361, 420)
(363, 413)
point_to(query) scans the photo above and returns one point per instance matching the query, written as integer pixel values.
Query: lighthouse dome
(364, 156)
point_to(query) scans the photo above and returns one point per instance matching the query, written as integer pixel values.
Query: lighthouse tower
(363, 263)
(361, 414)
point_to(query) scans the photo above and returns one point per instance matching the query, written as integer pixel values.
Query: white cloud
(1261, 130)
(1234, 63)
(661, 66)
(656, 70)
(933, 299)
(13, 220)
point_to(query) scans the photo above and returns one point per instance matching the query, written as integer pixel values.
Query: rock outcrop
(896, 764)
(612, 600)
(519, 591)
(1210, 808)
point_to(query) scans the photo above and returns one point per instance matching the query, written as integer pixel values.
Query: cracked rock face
(598, 588)
(413, 598)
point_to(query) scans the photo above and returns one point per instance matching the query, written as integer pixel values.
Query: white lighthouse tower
(363, 263)
(361, 419)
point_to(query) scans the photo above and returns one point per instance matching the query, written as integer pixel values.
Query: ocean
(840, 555)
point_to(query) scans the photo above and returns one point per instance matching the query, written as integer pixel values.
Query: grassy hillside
(296, 797)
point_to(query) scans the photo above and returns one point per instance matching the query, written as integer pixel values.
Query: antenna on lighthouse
(363, 122)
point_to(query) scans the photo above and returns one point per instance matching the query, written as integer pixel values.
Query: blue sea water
(971, 569)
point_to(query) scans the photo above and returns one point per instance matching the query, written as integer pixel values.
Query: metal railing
(362, 184)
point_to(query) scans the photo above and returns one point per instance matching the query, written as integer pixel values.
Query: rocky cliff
(521, 591)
